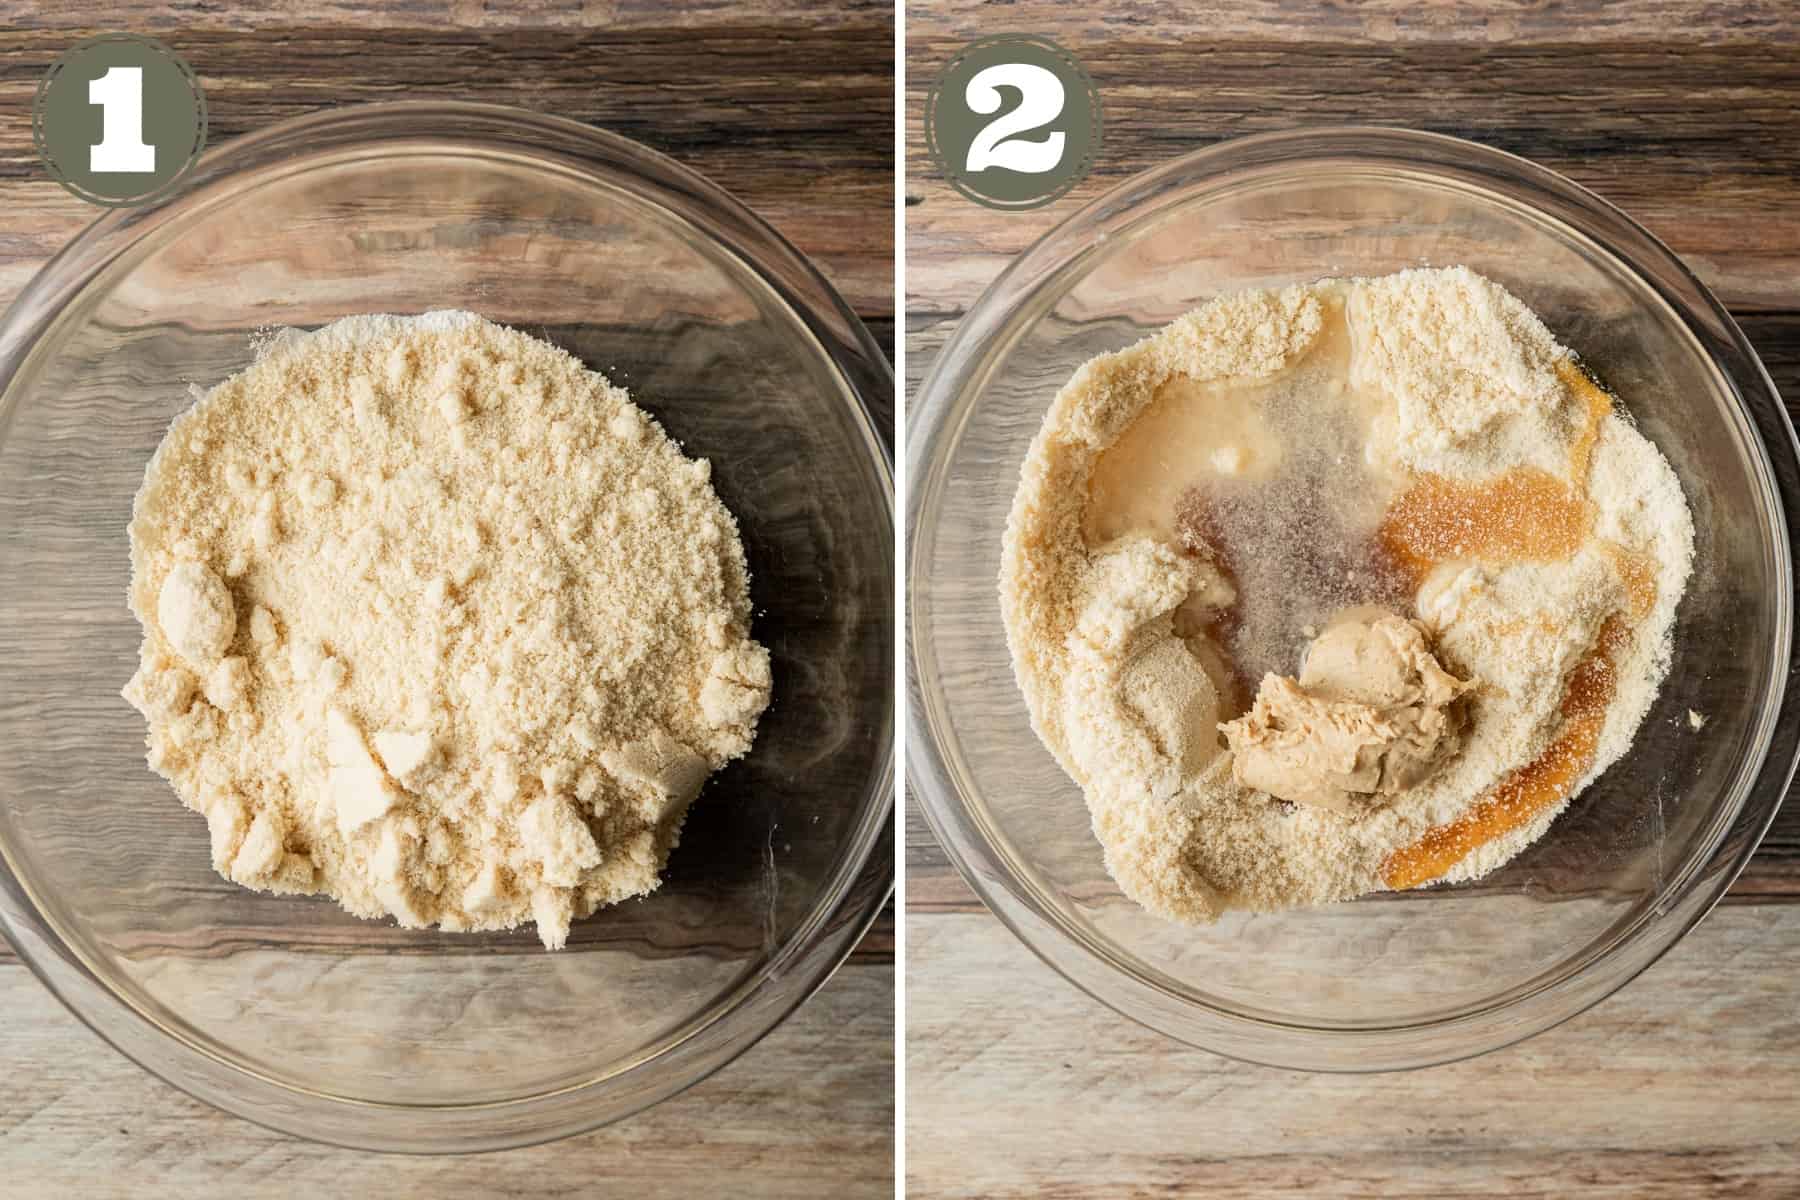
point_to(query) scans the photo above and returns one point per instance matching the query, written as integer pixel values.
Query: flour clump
(439, 623)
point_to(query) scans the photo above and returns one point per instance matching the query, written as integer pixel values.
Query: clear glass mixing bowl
(1398, 980)
(286, 1010)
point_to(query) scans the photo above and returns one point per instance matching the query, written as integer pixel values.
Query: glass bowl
(1397, 980)
(289, 1011)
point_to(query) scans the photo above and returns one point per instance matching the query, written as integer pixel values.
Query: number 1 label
(120, 95)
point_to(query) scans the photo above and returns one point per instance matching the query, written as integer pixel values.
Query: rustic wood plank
(808, 1113)
(1683, 1084)
(1435, 22)
(796, 121)
(171, 18)
(1695, 141)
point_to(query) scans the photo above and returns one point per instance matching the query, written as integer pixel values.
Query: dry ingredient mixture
(1345, 587)
(438, 623)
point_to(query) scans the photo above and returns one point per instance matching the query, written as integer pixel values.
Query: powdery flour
(440, 624)
(1130, 632)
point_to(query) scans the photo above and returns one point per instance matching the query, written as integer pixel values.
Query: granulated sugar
(439, 623)
(1398, 440)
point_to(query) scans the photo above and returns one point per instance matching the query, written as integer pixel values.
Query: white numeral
(120, 95)
(1041, 102)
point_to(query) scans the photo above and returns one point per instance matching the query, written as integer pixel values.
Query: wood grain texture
(808, 1113)
(1684, 1084)
(795, 120)
(1432, 22)
(1680, 111)
(174, 17)
(1697, 141)
(789, 106)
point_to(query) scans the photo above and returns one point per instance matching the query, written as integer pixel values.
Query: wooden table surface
(789, 107)
(1686, 1083)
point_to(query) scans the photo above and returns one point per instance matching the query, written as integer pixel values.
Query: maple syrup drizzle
(1525, 515)
(1527, 792)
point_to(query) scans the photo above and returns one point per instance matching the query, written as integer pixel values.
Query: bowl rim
(942, 406)
(852, 896)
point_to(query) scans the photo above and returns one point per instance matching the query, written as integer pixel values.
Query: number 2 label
(998, 143)
(120, 95)
(1013, 122)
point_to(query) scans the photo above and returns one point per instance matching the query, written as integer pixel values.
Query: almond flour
(1418, 441)
(438, 623)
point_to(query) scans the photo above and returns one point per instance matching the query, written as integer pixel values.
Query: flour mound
(439, 623)
(1129, 634)
(1470, 369)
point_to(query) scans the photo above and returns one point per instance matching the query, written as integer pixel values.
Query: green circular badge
(119, 119)
(1014, 122)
